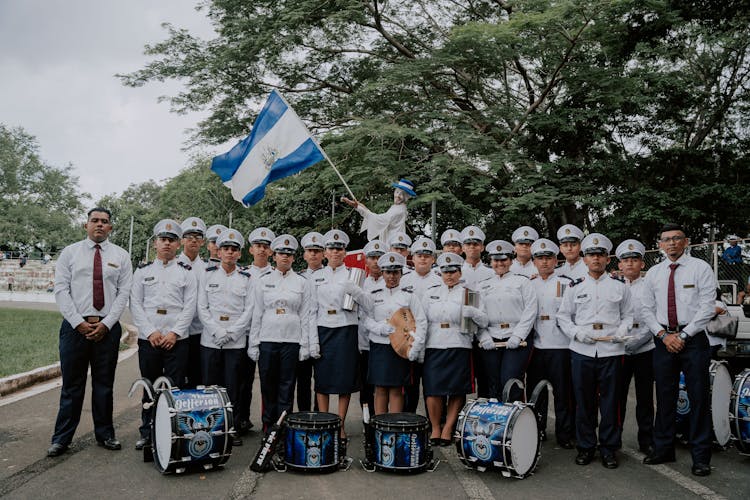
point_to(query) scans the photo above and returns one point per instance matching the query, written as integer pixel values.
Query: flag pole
(317, 144)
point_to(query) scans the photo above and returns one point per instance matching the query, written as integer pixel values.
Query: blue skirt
(337, 370)
(447, 372)
(386, 368)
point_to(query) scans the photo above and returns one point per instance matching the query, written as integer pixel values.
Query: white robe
(382, 226)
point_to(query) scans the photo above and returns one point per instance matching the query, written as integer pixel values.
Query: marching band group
(575, 325)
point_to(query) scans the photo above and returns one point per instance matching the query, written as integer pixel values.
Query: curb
(19, 381)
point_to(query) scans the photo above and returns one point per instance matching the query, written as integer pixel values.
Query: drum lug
(180, 470)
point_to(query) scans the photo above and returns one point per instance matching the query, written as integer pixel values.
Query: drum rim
(170, 401)
(739, 382)
(421, 422)
(295, 418)
(724, 419)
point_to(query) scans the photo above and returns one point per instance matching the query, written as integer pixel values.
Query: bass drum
(401, 442)
(500, 436)
(720, 392)
(740, 411)
(312, 441)
(192, 428)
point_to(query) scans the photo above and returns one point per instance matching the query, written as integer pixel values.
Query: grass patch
(28, 339)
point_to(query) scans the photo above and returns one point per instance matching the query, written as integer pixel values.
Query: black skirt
(386, 368)
(447, 372)
(337, 370)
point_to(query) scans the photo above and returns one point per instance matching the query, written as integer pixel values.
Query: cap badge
(336, 236)
(315, 238)
(595, 241)
(218, 230)
(447, 259)
(471, 232)
(231, 236)
(194, 223)
(392, 259)
(525, 233)
(400, 238)
(543, 245)
(376, 246)
(567, 230)
(168, 227)
(424, 244)
(262, 233)
(631, 246)
(286, 242)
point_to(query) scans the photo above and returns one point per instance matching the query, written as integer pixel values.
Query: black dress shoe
(236, 441)
(584, 457)
(436, 442)
(659, 458)
(56, 450)
(609, 460)
(566, 445)
(110, 444)
(701, 469)
(142, 443)
(445, 442)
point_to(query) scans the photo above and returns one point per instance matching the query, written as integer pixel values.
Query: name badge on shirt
(434, 297)
(112, 264)
(213, 285)
(378, 301)
(150, 278)
(582, 296)
(270, 286)
(688, 286)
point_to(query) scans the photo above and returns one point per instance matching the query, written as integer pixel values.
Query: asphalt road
(89, 471)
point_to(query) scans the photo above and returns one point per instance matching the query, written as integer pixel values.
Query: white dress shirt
(256, 272)
(695, 294)
(599, 307)
(74, 278)
(225, 305)
(284, 310)
(163, 299)
(442, 306)
(639, 329)
(370, 284)
(549, 294)
(577, 270)
(511, 305)
(528, 269)
(419, 284)
(472, 275)
(197, 266)
(330, 295)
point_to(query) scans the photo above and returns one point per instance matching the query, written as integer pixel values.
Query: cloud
(58, 64)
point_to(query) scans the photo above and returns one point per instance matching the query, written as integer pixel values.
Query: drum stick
(504, 343)
(611, 338)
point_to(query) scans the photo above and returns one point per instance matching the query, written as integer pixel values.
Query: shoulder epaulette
(144, 264)
(301, 273)
(565, 276)
(434, 286)
(533, 277)
(265, 274)
(182, 264)
(377, 290)
(487, 266)
(617, 278)
(575, 282)
(245, 273)
(408, 271)
(522, 275)
(486, 279)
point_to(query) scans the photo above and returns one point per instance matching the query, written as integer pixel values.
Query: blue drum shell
(312, 441)
(484, 429)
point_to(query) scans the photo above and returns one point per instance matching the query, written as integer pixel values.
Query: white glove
(414, 353)
(470, 312)
(384, 329)
(315, 351)
(617, 340)
(349, 287)
(631, 345)
(513, 342)
(487, 343)
(304, 352)
(221, 337)
(253, 352)
(584, 337)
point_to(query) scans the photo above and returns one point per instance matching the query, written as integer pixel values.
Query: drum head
(524, 441)
(400, 420)
(313, 419)
(721, 394)
(162, 432)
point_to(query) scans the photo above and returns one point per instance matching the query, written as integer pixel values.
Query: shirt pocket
(687, 295)
(582, 298)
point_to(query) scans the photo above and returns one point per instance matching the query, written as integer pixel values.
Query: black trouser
(155, 362)
(226, 368)
(277, 364)
(193, 373)
(500, 365)
(641, 368)
(693, 361)
(553, 365)
(305, 393)
(76, 355)
(246, 392)
(596, 382)
(478, 364)
(367, 391)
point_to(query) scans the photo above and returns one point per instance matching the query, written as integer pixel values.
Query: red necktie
(671, 302)
(98, 281)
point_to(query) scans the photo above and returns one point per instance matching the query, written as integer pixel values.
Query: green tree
(538, 112)
(40, 203)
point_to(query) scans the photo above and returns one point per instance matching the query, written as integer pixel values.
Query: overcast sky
(57, 67)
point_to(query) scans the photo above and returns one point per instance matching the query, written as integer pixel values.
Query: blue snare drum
(401, 442)
(192, 428)
(312, 441)
(495, 435)
(740, 411)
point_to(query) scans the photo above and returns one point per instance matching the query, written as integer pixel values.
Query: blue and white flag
(279, 145)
